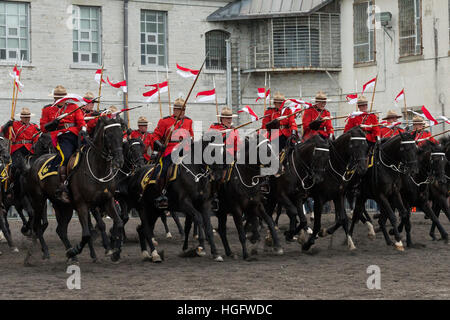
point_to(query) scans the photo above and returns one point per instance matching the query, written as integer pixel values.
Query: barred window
(307, 41)
(153, 38)
(14, 31)
(410, 27)
(216, 49)
(86, 35)
(363, 37)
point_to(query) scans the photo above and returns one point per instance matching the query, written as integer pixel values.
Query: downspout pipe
(125, 51)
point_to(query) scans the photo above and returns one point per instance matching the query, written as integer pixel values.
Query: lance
(126, 97)
(168, 88)
(169, 135)
(100, 88)
(159, 96)
(265, 90)
(373, 94)
(438, 134)
(215, 93)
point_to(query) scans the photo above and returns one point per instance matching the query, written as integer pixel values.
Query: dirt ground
(331, 273)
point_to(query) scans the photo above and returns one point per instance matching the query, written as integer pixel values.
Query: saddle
(48, 170)
(5, 175)
(153, 175)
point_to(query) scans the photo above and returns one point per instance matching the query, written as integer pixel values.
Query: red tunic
(147, 139)
(368, 119)
(386, 132)
(424, 135)
(311, 114)
(163, 129)
(72, 123)
(231, 138)
(286, 125)
(22, 135)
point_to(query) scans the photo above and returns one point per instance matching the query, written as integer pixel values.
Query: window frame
(227, 36)
(409, 54)
(77, 28)
(371, 34)
(19, 38)
(156, 43)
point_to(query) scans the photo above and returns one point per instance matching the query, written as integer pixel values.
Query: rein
(111, 175)
(308, 169)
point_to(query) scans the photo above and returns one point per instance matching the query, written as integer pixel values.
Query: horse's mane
(428, 146)
(444, 140)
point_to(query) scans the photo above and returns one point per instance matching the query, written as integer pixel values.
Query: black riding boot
(162, 202)
(62, 192)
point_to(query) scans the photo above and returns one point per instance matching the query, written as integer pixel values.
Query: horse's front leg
(198, 219)
(206, 215)
(386, 211)
(83, 216)
(117, 230)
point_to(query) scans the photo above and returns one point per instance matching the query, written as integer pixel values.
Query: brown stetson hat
(227, 113)
(142, 121)
(178, 104)
(391, 114)
(58, 92)
(362, 100)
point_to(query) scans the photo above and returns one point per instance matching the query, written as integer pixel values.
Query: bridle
(401, 167)
(348, 168)
(106, 156)
(130, 160)
(309, 171)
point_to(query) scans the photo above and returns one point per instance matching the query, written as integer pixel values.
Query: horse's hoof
(309, 231)
(200, 252)
(108, 252)
(254, 252)
(146, 256)
(371, 236)
(115, 257)
(268, 241)
(168, 235)
(156, 258)
(301, 239)
(399, 246)
(14, 250)
(70, 253)
(218, 259)
(323, 233)
(351, 245)
(276, 228)
(195, 237)
(155, 243)
(279, 251)
(391, 232)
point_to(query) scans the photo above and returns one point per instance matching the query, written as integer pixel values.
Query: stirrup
(215, 205)
(162, 202)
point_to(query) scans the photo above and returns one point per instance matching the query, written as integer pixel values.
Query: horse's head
(355, 148)
(108, 137)
(433, 161)
(320, 157)
(213, 153)
(133, 150)
(4, 154)
(258, 151)
(403, 149)
(43, 145)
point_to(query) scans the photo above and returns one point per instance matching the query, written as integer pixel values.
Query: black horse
(91, 184)
(189, 192)
(439, 192)
(240, 190)
(392, 158)
(304, 168)
(415, 188)
(18, 197)
(5, 160)
(348, 161)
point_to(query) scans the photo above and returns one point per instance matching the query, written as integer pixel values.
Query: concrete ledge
(152, 69)
(12, 64)
(214, 71)
(86, 66)
(410, 58)
(364, 64)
